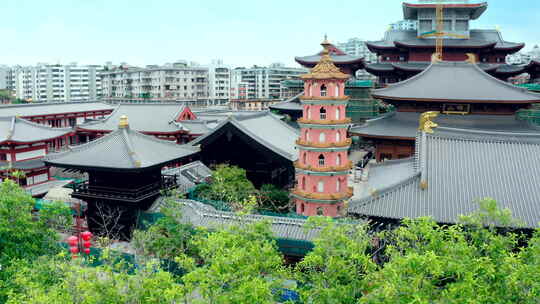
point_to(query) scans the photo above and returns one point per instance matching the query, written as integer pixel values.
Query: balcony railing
(85, 190)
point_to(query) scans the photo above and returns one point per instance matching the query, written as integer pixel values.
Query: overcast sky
(241, 32)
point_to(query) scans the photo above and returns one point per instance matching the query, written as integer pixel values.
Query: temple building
(405, 53)
(466, 95)
(323, 166)
(23, 145)
(169, 121)
(124, 171)
(453, 170)
(260, 143)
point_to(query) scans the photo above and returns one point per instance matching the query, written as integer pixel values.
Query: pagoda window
(307, 135)
(308, 110)
(323, 90)
(322, 137)
(338, 114)
(338, 136)
(303, 183)
(337, 89)
(322, 113)
(338, 185)
(302, 208)
(305, 158)
(320, 211)
(321, 160)
(320, 187)
(338, 160)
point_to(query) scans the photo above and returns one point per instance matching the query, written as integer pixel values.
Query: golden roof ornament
(426, 124)
(471, 58)
(124, 123)
(325, 69)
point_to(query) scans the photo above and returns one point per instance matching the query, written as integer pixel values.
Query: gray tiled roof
(121, 149)
(264, 128)
(405, 124)
(291, 104)
(383, 174)
(337, 59)
(462, 167)
(20, 130)
(420, 66)
(142, 117)
(25, 164)
(201, 215)
(188, 176)
(456, 81)
(52, 108)
(477, 38)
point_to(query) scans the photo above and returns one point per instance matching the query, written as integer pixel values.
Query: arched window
(302, 208)
(303, 183)
(308, 110)
(322, 113)
(310, 89)
(305, 158)
(307, 135)
(322, 137)
(337, 89)
(320, 211)
(338, 160)
(321, 160)
(338, 185)
(338, 113)
(323, 90)
(338, 136)
(320, 186)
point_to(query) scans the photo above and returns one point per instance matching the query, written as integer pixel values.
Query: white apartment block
(57, 83)
(6, 75)
(219, 82)
(524, 57)
(357, 47)
(176, 82)
(261, 82)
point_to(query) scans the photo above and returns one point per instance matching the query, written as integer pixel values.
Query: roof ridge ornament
(124, 122)
(471, 58)
(426, 124)
(325, 68)
(436, 58)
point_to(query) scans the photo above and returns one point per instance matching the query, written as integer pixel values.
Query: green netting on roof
(531, 115)
(530, 86)
(294, 247)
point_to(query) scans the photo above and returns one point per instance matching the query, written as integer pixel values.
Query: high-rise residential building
(357, 47)
(219, 82)
(57, 83)
(524, 57)
(173, 82)
(261, 82)
(6, 75)
(405, 25)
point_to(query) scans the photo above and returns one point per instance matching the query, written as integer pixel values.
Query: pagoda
(323, 166)
(405, 53)
(124, 171)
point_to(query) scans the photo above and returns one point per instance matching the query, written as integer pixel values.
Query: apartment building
(6, 77)
(261, 82)
(57, 83)
(174, 82)
(219, 82)
(357, 47)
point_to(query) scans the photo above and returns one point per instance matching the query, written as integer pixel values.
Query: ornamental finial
(124, 123)
(426, 124)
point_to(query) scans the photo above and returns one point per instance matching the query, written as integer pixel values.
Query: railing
(124, 194)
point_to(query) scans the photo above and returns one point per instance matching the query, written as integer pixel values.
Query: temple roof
(458, 82)
(291, 104)
(404, 125)
(264, 128)
(478, 39)
(13, 129)
(460, 168)
(151, 117)
(49, 108)
(325, 68)
(410, 10)
(123, 149)
(339, 58)
(494, 68)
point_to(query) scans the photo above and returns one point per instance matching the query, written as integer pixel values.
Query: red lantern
(73, 241)
(74, 250)
(87, 235)
(87, 250)
(87, 244)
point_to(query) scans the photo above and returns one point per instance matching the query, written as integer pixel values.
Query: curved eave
(337, 62)
(479, 8)
(401, 44)
(515, 48)
(521, 70)
(374, 47)
(391, 98)
(408, 69)
(144, 132)
(378, 70)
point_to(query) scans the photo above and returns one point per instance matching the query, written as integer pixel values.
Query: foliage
(230, 184)
(274, 199)
(240, 265)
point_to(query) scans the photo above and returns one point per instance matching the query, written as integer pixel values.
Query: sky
(240, 32)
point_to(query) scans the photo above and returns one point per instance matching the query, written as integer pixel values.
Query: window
(308, 110)
(322, 113)
(323, 90)
(447, 25)
(337, 89)
(307, 136)
(321, 160)
(320, 186)
(322, 137)
(425, 26)
(338, 185)
(320, 211)
(338, 136)
(302, 208)
(462, 25)
(338, 114)
(338, 160)
(303, 184)
(305, 158)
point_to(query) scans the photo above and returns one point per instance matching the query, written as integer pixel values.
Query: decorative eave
(325, 98)
(345, 167)
(323, 196)
(453, 100)
(324, 122)
(345, 143)
(407, 45)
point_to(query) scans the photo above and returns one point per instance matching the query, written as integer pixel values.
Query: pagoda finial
(124, 123)
(326, 45)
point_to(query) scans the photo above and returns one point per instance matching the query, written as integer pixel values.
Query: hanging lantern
(87, 250)
(87, 235)
(73, 241)
(74, 250)
(87, 244)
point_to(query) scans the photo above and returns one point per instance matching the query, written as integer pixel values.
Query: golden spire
(123, 122)
(325, 69)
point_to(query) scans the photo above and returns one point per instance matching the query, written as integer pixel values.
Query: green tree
(274, 199)
(239, 265)
(230, 184)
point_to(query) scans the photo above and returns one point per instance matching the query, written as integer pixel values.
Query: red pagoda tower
(323, 165)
